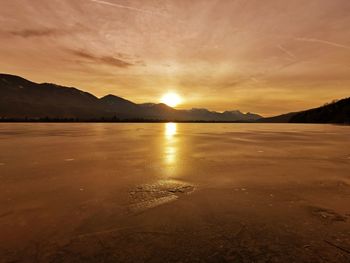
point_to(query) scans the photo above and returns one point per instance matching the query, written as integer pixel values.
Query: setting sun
(171, 99)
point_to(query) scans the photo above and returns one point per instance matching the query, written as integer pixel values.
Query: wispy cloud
(286, 51)
(325, 42)
(44, 32)
(108, 60)
(36, 32)
(141, 10)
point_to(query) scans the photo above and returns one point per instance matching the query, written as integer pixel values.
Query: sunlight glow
(171, 99)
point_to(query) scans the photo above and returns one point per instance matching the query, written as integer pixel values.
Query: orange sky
(267, 57)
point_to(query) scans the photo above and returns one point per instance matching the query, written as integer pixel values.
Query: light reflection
(170, 147)
(170, 154)
(170, 130)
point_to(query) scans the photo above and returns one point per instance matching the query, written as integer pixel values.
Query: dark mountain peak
(110, 98)
(26, 87)
(257, 116)
(155, 105)
(200, 110)
(120, 107)
(234, 112)
(14, 80)
(241, 116)
(10, 76)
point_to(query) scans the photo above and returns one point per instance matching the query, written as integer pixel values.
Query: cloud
(44, 32)
(141, 10)
(108, 60)
(286, 51)
(36, 32)
(315, 40)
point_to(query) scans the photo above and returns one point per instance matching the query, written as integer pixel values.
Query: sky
(267, 57)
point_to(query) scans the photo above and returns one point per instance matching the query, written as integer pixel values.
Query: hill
(335, 112)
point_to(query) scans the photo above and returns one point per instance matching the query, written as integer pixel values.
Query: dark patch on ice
(148, 196)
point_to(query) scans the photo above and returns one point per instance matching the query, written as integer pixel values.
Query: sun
(171, 99)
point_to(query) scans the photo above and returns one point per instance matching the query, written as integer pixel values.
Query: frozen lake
(174, 192)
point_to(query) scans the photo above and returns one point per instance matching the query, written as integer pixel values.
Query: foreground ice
(174, 193)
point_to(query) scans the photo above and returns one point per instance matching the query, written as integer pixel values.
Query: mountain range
(21, 99)
(24, 100)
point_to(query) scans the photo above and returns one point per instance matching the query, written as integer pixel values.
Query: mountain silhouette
(283, 118)
(21, 99)
(334, 112)
(337, 111)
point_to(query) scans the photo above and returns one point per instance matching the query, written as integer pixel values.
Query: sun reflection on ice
(170, 130)
(170, 154)
(170, 148)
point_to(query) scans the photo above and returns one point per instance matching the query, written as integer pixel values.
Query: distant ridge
(23, 100)
(334, 112)
(283, 118)
(337, 111)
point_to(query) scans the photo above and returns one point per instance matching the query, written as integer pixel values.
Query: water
(174, 192)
